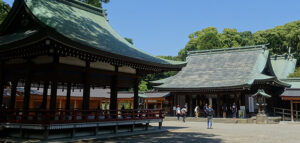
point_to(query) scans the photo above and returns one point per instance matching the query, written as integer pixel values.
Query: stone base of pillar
(261, 119)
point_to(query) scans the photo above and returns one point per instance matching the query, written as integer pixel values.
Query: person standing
(234, 110)
(224, 109)
(178, 112)
(210, 115)
(197, 111)
(183, 113)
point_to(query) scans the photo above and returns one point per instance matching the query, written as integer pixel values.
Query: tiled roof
(291, 92)
(283, 66)
(87, 25)
(294, 82)
(221, 68)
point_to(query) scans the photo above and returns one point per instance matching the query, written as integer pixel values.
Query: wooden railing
(286, 113)
(75, 116)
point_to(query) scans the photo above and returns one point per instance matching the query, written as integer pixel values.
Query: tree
(4, 9)
(230, 38)
(247, 38)
(296, 73)
(205, 39)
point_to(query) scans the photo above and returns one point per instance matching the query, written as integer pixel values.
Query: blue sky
(161, 27)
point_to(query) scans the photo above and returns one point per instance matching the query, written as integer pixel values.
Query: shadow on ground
(170, 137)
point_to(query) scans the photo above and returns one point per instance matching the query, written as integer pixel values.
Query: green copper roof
(221, 68)
(16, 36)
(262, 93)
(283, 65)
(294, 82)
(87, 25)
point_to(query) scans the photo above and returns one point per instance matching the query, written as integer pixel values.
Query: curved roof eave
(117, 47)
(241, 87)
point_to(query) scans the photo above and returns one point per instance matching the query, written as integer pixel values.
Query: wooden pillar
(240, 100)
(27, 87)
(146, 103)
(198, 100)
(100, 104)
(2, 82)
(13, 94)
(26, 94)
(114, 91)
(45, 95)
(86, 88)
(75, 104)
(235, 99)
(54, 83)
(53, 95)
(210, 101)
(68, 99)
(105, 108)
(60, 106)
(292, 111)
(191, 106)
(219, 105)
(136, 94)
(296, 109)
(118, 104)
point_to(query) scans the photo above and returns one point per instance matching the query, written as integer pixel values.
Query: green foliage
(278, 38)
(296, 73)
(143, 86)
(144, 81)
(4, 9)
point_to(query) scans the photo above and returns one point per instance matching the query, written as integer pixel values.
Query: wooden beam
(13, 94)
(45, 95)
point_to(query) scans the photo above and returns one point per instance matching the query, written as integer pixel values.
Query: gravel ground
(221, 133)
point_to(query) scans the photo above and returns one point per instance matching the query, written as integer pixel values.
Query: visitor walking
(224, 109)
(210, 115)
(196, 111)
(183, 113)
(234, 110)
(178, 112)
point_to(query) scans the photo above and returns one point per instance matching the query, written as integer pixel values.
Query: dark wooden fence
(61, 116)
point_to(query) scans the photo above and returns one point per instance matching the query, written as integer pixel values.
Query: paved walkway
(221, 133)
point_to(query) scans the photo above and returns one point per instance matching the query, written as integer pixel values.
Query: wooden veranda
(58, 52)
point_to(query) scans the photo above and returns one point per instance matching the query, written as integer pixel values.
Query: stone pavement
(180, 132)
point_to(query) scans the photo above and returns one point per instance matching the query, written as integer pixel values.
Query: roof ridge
(291, 79)
(232, 49)
(85, 7)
